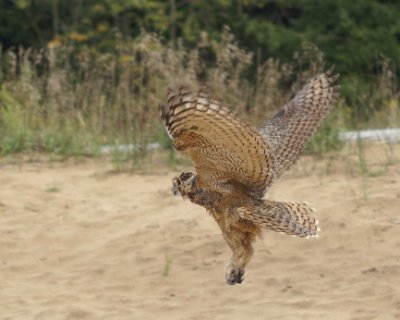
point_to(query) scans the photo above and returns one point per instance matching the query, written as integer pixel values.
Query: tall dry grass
(71, 101)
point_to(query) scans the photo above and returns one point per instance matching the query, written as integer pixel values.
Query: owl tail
(285, 217)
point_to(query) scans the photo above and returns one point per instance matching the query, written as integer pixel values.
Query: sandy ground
(78, 242)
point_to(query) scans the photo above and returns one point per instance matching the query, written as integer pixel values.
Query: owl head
(184, 183)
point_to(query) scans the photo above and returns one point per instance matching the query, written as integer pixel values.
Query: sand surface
(79, 242)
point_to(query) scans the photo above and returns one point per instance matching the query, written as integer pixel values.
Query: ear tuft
(164, 109)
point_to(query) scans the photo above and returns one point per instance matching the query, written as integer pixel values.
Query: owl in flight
(235, 163)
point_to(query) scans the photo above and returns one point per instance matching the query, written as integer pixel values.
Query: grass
(53, 189)
(67, 102)
(167, 265)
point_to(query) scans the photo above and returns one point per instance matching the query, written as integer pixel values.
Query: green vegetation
(352, 34)
(78, 75)
(54, 188)
(167, 265)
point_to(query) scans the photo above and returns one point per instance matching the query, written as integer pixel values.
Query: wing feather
(291, 127)
(225, 150)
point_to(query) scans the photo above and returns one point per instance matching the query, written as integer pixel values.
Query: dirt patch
(80, 243)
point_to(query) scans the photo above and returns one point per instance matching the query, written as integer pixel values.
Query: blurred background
(78, 75)
(81, 81)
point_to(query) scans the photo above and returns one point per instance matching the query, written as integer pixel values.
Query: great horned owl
(235, 163)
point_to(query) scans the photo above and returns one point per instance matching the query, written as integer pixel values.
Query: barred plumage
(291, 127)
(223, 147)
(235, 162)
(285, 217)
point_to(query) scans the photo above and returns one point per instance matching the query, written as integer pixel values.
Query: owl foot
(234, 275)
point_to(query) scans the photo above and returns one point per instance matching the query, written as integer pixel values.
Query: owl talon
(183, 183)
(234, 276)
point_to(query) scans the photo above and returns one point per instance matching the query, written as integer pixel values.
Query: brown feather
(291, 127)
(235, 163)
(224, 149)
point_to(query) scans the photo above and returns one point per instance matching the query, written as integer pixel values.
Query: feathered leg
(239, 236)
(286, 217)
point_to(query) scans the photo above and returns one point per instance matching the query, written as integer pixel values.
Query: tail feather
(285, 217)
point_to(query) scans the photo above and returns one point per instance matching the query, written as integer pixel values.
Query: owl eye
(178, 182)
(186, 175)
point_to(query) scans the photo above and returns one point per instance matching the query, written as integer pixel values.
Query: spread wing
(291, 127)
(226, 151)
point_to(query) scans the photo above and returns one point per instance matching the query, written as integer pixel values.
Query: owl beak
(175, 189)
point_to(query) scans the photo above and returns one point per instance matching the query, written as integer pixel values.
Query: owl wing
(225, 150)
(291, 127)
(286, 217)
